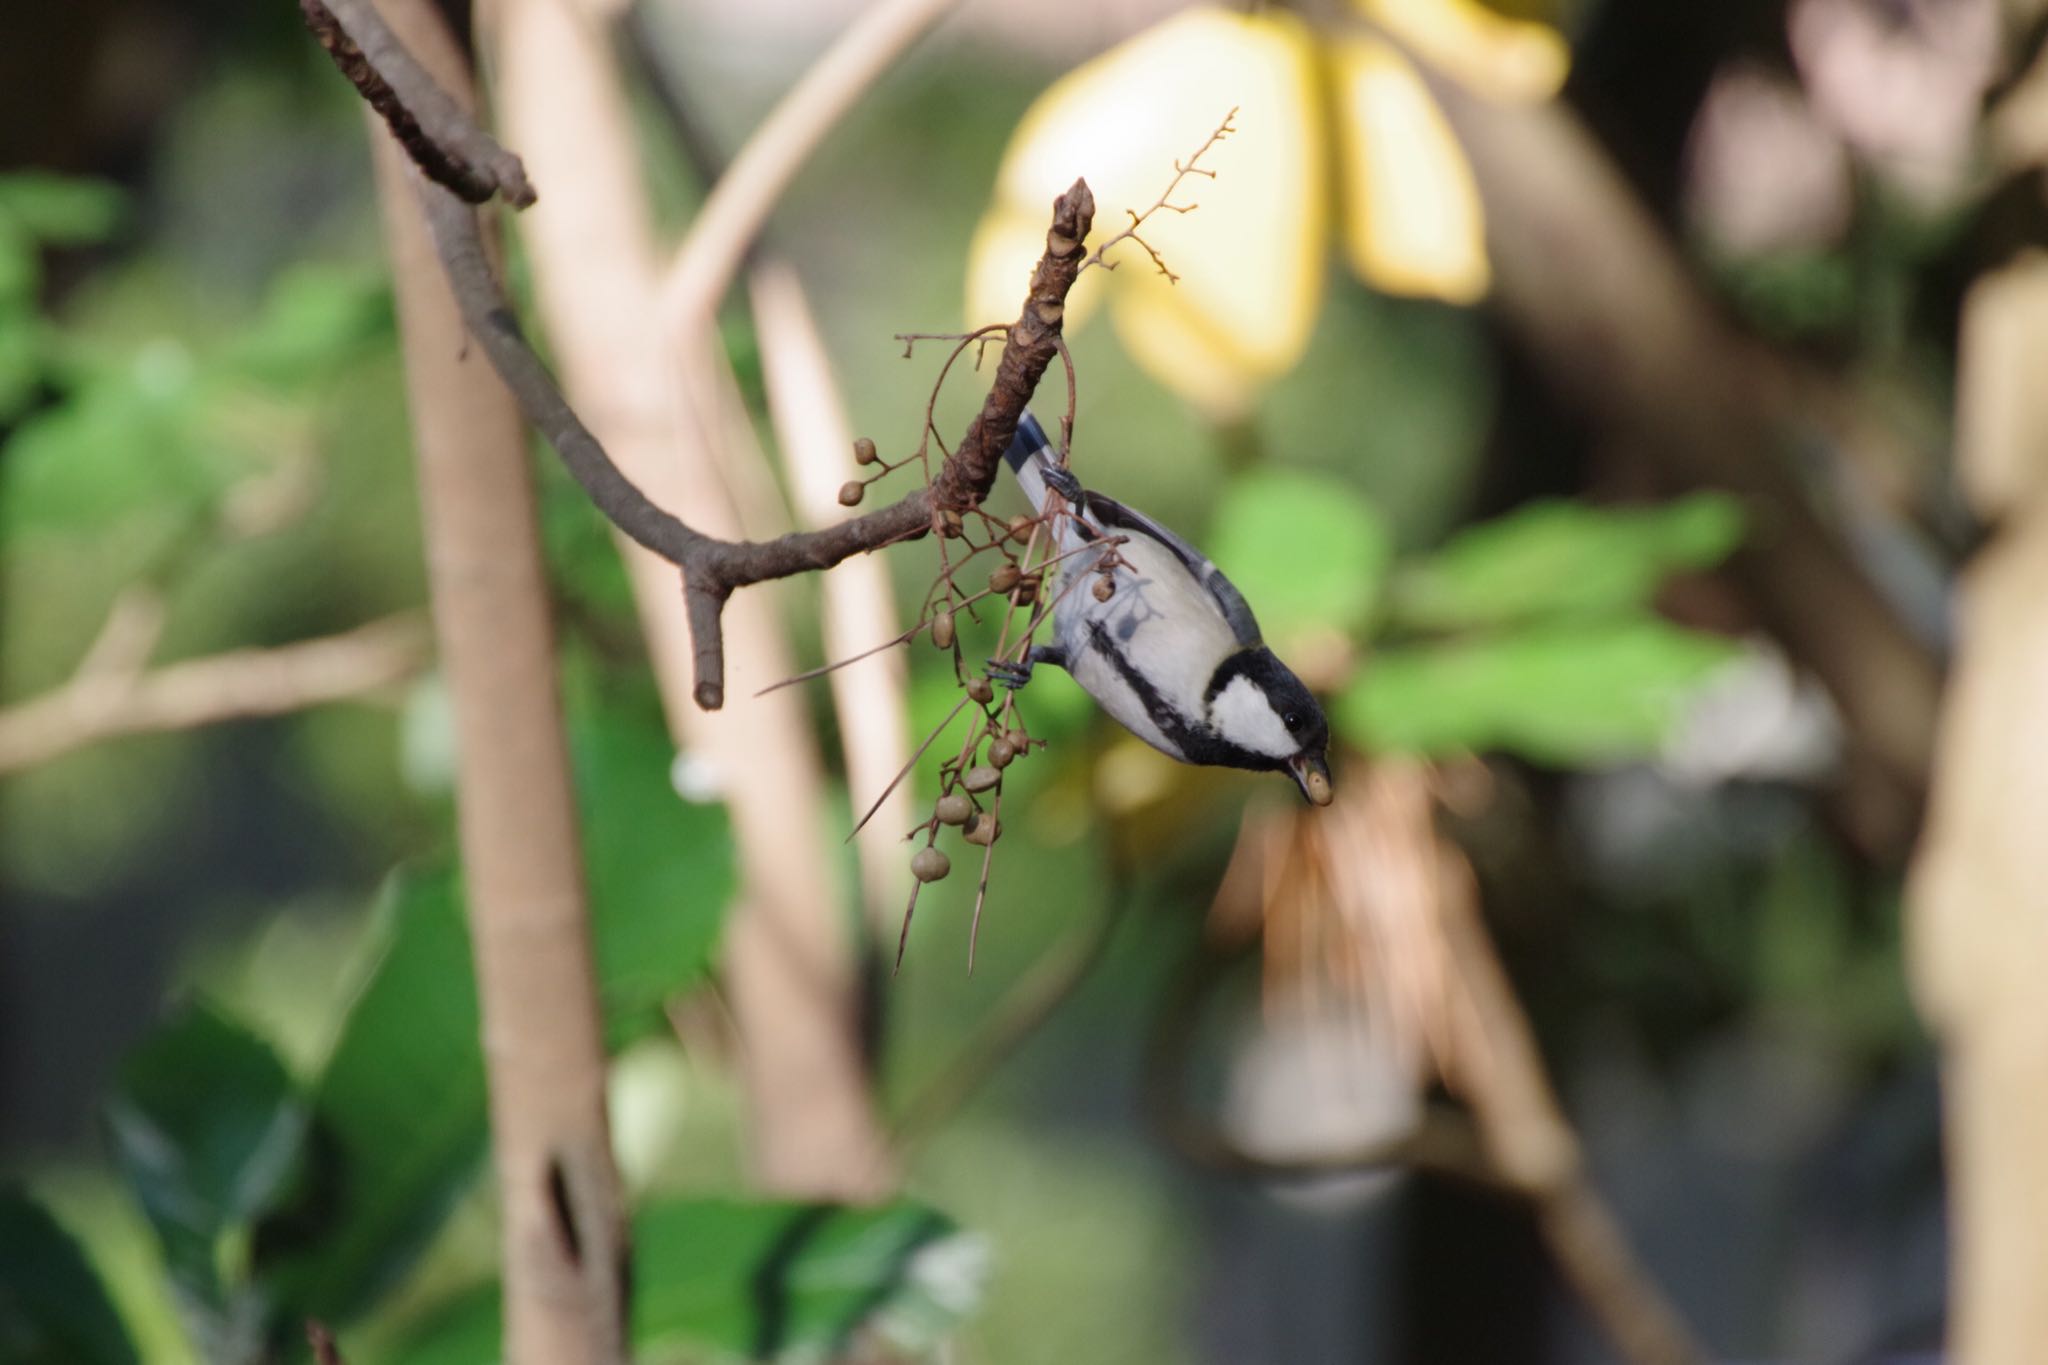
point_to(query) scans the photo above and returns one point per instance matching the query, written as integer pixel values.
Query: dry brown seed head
(981, 690)
(952, 809)
(864, 451)
(1004, 578)
(851, 492)
(1027, 591)
(1018, 741)
(928, 865)
(980, 778)
(1021, 527)
(985, 830)
(1001, 752)
(942, 630)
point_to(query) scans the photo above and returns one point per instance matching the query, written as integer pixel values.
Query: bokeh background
(1450, 479)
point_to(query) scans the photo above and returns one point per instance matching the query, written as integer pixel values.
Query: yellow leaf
(1250, 258)
(1412, 217)
(1488, 52)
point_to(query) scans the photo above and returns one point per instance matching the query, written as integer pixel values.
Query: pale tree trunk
(788, 956)
(1978, 920)
(564, 1244)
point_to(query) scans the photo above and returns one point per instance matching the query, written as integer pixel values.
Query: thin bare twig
(1164, 201)
(436, 132)
(103, 702)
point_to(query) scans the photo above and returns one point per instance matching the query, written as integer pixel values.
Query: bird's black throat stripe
(1197, 743)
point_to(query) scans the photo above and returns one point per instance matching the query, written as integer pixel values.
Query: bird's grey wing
(1113, 516)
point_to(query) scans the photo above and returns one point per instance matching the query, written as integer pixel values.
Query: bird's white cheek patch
(1242, 715)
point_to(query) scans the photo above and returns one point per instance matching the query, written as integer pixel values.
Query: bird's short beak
(1312, 775)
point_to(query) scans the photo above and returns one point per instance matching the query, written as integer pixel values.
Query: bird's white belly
(1167, 627)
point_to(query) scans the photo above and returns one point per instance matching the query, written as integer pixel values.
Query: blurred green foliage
(761, 1281)
(53, 1310)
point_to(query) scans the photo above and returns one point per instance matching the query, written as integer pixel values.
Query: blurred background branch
(112, 695)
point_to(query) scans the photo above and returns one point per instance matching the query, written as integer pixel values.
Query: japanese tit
(1173, 651)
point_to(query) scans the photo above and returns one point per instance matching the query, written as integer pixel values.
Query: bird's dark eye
(1290, 720)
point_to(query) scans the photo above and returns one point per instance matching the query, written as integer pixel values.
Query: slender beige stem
(564, 1239)
(105, 700)
(815, 441)
(739, 205)
(788, 961)
(1977, 924)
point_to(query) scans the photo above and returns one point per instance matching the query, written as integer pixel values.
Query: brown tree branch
(436, 132)
(712, 568)
(564, 1228)
(107, 700)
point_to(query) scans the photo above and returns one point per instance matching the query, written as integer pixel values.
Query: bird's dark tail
(1030, 450)
(1030, 440)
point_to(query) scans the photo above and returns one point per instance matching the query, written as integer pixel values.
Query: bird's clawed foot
(1008, 674)
(1061, 480)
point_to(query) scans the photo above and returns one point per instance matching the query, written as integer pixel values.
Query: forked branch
(712, 568)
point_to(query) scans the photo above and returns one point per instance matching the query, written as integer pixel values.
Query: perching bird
(1173, 652)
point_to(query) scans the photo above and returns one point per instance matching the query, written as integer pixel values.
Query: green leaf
(206, 1125)
(1565, 693)
(398, 1115)
(399, 1111)
(60, 209)
(314, 320)
(53, 1308)
(1306, 551)
(661, 870)
(21, 271)
(763, 1281)
(1563, 558)
(129, 438)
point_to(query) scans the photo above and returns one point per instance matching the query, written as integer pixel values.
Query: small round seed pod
(953, 809)
(942, 630)
(1018, 741)
(1027, 591)
(928, 865)
(983, 830)
(864, 451)
(1001, 752)
(851, 492)
(981, 689)
(1020, 528)
(1105, 588)
(980, 778)
(1004, 578)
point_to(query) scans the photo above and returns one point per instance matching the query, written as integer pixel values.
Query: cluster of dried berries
(864, 453)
